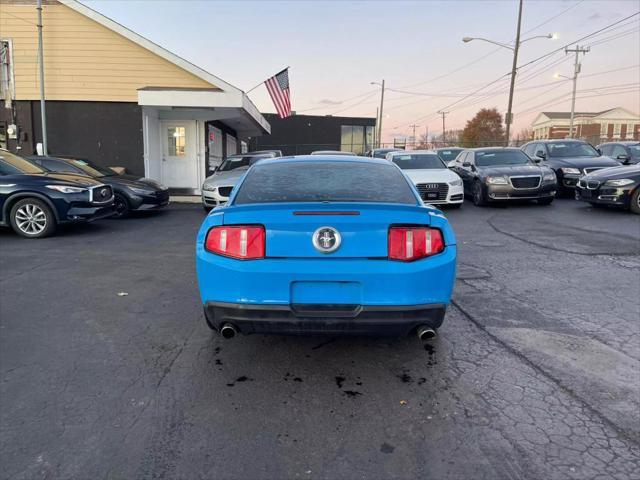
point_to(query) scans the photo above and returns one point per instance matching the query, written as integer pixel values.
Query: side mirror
(215, 169)
(466, 164)
(451, 164)
(541, 154)
(624, 158)
(599, 151)
(537, 159)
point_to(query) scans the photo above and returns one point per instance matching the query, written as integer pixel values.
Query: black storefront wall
(302, 134)
(108, 133)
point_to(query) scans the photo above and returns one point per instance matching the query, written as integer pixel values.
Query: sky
(335, 49)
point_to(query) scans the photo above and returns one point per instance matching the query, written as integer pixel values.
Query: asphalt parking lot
(535, 374)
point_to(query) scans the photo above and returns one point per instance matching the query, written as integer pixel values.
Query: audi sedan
(503, 174)
(436, 184)
(312, 245)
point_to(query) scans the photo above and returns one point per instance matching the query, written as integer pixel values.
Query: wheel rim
(121, 207)
(638, 201)
(31, 219)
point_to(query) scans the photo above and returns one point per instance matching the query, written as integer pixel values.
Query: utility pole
(414, 134)
(43, 114)
(380, 124)
(426, 135)
(576, 70)
(444, 131)
(375, 131)
(514, 66)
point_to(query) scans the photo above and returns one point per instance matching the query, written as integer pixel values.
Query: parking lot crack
(571, 393)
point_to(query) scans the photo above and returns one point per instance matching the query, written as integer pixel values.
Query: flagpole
(266, 80)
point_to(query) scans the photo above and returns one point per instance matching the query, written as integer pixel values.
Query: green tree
(484, 130)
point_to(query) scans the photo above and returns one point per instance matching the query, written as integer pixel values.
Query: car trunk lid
(363, 228)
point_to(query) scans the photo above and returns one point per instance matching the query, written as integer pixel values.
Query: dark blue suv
(33, 202)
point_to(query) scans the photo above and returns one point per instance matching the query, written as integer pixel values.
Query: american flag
(278, 87)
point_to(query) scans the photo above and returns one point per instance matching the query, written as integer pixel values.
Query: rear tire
(635, 202)
(32, 218)
(479, 199)
(122, 206)
(545, 201)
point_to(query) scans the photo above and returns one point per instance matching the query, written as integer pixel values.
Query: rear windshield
(416, 161)
(325, 182)
(239, 161)
(489, 158)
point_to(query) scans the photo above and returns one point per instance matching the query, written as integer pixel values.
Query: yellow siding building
(114, 96)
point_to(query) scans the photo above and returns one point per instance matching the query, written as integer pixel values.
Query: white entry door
(179, 167)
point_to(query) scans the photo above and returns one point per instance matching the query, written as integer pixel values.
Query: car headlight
(497, 180)
(66, 189)
(141, 191)
(571, 171)
(456, 183)
(549, 177)
(620, 182)
(209, 188)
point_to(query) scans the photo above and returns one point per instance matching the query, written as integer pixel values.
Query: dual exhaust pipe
(424, 332)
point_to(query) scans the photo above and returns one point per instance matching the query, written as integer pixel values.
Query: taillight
(411, 243)
(244, 242)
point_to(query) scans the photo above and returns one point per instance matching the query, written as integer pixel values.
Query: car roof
(324, 158)
(622, 142)
(449, 148)
(409, 152)
(561, 140)
(480, 149)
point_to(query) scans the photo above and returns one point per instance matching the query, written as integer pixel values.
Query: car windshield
(240, 161)
(417, 161)
(325, 182)
(15, 165)
(490, 158)
(450, 154)
(91, 169)
(571, 149)
(635, 150)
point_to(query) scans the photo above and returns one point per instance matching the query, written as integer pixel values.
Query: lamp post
(380, 118)
(514, 65)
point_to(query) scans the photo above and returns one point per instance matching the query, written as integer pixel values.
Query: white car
(436, 183)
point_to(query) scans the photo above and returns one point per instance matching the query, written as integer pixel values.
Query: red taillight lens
(412, 243)
(244, 242)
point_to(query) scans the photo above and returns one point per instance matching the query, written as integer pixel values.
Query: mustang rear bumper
(305, 319)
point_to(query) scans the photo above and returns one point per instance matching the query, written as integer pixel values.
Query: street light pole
(514, 67)
(380, 124)
(576, 71)
(444, 132)
(43, 115)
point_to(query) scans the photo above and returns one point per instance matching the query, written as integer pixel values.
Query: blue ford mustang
(330, 245)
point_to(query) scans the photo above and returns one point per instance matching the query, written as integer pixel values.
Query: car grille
(224, 191)
(161, 194)
(433, 191)
(592, 169)
(101, 194)
(525, 182)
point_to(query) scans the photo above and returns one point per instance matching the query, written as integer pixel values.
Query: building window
(616, 129)
(356, 138)
(3, 135)
(603, 130)
(629, 131)
(176, 141)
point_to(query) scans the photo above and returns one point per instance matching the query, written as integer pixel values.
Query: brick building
(595, 127)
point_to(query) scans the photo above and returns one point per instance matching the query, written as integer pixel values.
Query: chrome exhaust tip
(228, 331)
(426, 333)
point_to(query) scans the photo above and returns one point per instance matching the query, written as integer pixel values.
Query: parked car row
(538, 171)
(39, 193)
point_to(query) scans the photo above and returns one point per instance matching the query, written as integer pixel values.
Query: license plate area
(328, 299)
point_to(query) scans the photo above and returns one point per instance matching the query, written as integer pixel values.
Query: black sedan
(626, 152)
(34, 201)
(499, 174)
(131, 192)
(618, 186)
(569, 159)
